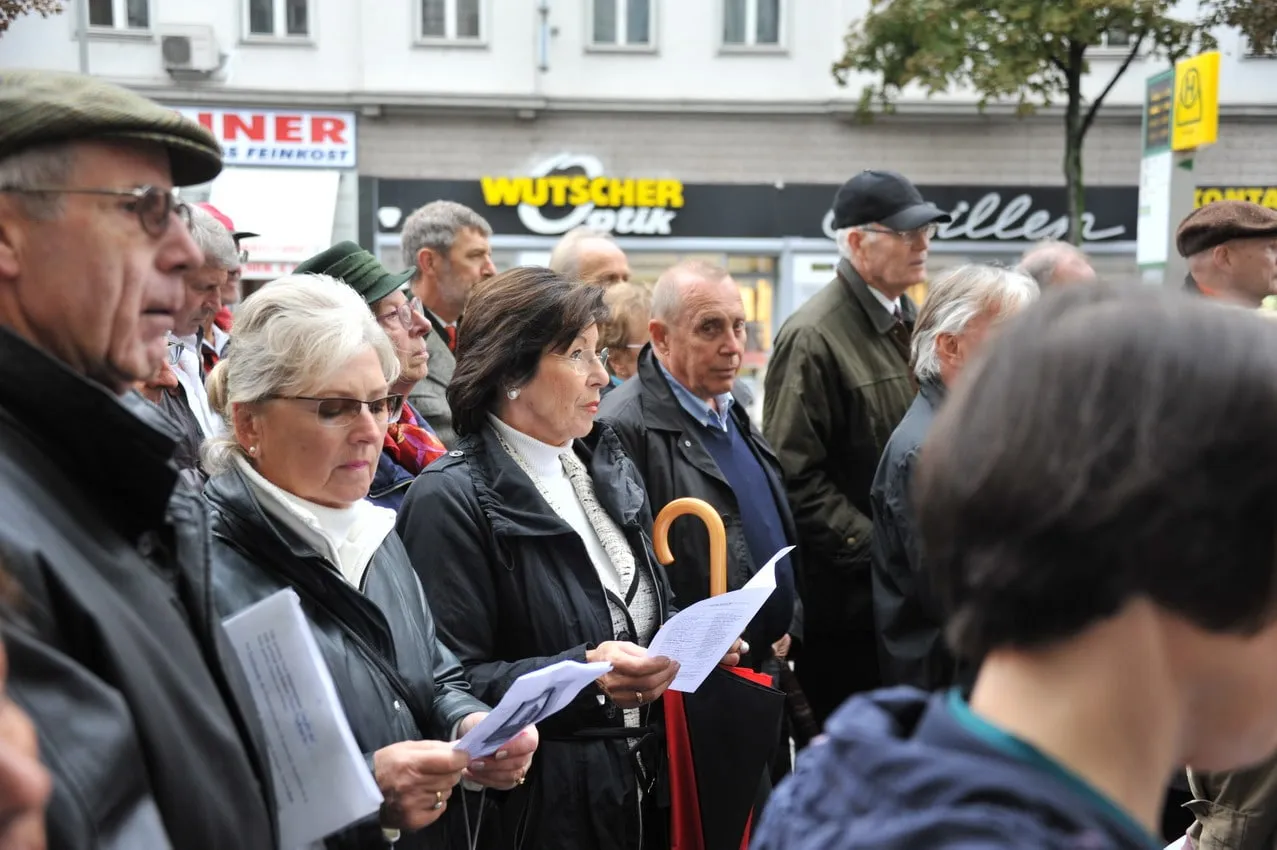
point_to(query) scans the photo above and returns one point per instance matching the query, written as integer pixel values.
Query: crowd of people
(1033, 519)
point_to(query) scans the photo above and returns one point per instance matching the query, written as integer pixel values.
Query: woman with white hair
(305, 394)
(961, 311)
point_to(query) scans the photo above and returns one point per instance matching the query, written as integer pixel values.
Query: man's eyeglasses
(405, 314)
(913, 237)
(583, 362)
(344, 412)
(175, 350)
(153, 206)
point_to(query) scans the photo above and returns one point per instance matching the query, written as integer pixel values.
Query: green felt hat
(48, 107)
(356, 268)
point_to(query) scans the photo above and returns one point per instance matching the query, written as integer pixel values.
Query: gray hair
(841, 234)
(214, 240)
(435, 226)
(566, 256)
(291, 335)
(958, 298)
(667, 295)
(1042, 260)
(37, 168)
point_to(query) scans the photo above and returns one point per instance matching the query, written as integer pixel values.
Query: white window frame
(280, 17)
(622, 45)
(449, 37)
(119, 18)
(1104, 50)
(750, 45)
(1248, 51)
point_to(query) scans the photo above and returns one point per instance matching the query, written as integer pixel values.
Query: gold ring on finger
(638, 695)
(438, 801)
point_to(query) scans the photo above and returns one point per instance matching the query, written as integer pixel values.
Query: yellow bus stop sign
(1196, 115)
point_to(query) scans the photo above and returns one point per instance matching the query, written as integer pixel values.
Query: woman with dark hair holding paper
(306, 395)
(532, 539)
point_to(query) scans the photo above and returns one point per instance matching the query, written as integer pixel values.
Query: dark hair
(1114, 443)
(510, 321)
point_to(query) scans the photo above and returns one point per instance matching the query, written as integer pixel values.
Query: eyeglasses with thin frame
(406, 314)
(153, 206)
(913, 237)
(338, 412)
(175, 350)
(583, 362)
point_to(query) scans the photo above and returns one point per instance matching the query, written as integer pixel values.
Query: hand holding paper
(699, 636)
(532, 698)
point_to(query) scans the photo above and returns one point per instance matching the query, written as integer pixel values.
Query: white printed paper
(322, 782)
(699, 636)
(532, 698)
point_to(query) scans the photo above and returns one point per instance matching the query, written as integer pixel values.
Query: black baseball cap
(886, 198)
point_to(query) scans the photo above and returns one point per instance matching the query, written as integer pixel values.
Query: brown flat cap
(1223, 221)
(47, 107)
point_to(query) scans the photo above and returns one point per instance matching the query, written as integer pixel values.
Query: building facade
(710, 128)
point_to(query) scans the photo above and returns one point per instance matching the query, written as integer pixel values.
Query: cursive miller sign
(1013, 215)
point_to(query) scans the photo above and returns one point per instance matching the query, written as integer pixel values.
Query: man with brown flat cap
(144, 715)
(1231, 248)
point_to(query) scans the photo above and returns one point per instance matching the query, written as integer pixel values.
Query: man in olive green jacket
(837, 384)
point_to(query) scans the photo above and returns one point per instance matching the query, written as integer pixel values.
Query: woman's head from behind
(1115, 454)
(529, 354)
(625, 332)
(304, 388)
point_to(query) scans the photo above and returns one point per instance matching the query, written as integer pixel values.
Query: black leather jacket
(254, 556)
(144, 716)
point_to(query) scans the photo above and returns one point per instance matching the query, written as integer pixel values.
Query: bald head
(1056, 264)
(590, 256)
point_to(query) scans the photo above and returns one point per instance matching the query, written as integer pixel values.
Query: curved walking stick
(717, 538)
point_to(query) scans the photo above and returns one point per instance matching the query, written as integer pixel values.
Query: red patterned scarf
(412, 443)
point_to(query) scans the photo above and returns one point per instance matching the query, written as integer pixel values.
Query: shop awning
(293, 210)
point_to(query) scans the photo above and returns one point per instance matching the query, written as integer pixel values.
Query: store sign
(1265, 196)
(1012, 215)
(570, 190)
(279, 138)
(567, 192)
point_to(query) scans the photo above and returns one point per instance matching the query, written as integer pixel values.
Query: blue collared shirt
(700, 410)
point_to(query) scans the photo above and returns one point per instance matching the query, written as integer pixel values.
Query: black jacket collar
(515, 507)
(882, 320)
(661, 408)
(118, 450)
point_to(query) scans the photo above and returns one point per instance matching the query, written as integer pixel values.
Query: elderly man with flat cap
(1231, 248)
(143, 713)
(838, 383)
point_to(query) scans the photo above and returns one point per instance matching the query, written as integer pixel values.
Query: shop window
(278, 18)
(1114, 41)
(752, 23)
(122, 15)
(621, 23)
(451, 21)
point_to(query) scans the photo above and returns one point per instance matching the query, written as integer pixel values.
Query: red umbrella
(720, 738)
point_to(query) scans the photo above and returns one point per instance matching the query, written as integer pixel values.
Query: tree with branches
(11, 9)
(1032, 53)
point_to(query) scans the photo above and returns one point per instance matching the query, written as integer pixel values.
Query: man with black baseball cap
(144, 715)
(838, 383)
(1231, 248)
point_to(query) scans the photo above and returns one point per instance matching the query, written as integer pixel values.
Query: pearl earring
(252, 450)
(512, 393)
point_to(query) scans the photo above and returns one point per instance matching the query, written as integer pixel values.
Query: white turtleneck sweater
(545, 467)
(347, 537)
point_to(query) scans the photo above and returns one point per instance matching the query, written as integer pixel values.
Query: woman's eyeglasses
(405, 314)
(153, 206)
(583, 362)
(336, 412)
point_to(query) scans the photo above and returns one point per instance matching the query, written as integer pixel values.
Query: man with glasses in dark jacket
(143, 713)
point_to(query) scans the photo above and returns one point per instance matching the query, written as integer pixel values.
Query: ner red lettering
(288, 128)
(328, 130)
(233, 125)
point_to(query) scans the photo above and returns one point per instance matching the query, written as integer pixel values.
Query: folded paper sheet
(699, 636)
(322, 782)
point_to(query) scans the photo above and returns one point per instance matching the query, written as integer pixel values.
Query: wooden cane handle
(717, 538)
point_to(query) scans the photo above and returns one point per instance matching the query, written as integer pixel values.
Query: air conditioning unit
(189, 47)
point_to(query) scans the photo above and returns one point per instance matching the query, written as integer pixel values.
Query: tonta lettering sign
(279, 138)
(1265, 196)
(570, 190)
